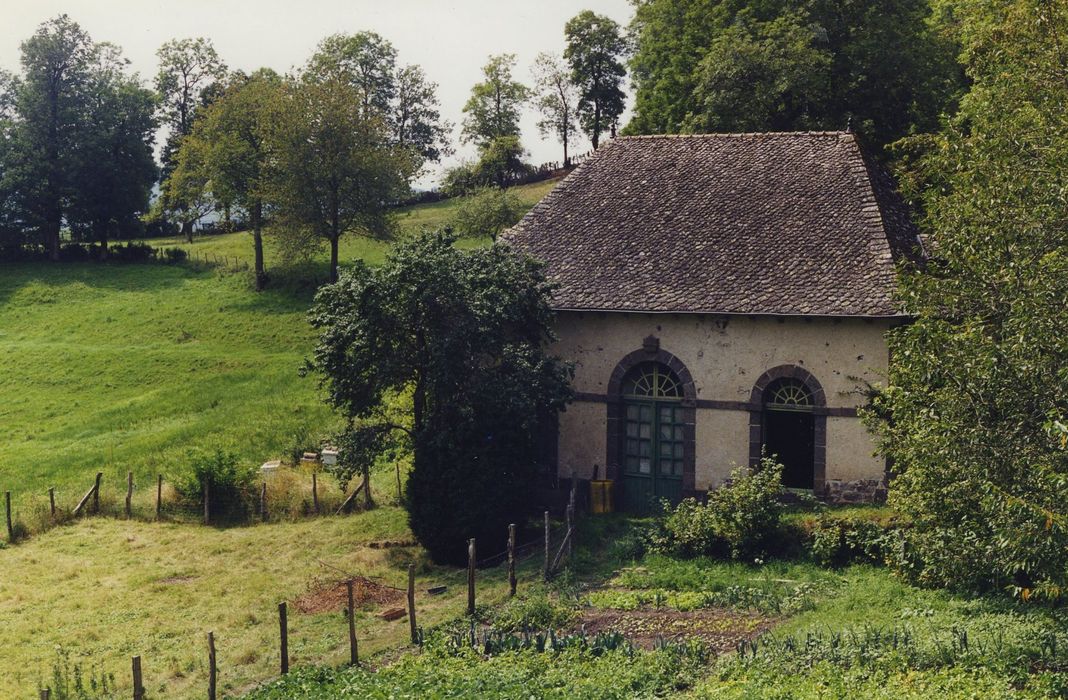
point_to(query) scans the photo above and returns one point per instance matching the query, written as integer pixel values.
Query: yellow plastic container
(601, 496)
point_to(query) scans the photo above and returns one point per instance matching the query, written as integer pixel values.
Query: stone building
(720, 295)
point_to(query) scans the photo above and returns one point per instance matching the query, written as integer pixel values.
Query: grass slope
(127, 367)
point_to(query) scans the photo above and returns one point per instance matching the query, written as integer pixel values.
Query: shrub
(742, 519)
(229, 483)
(74, 252)
(534, 611)
(838, 541)
(175, 255)
(487, 212)
(132, 252)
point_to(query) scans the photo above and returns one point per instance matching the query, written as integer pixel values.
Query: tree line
(321, 152)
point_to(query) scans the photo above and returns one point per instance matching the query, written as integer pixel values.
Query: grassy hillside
(127, 367)
(238, 246)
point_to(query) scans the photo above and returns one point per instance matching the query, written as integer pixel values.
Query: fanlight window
(652, 380)
(788, 394)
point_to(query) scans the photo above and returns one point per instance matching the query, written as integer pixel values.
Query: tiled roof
(788, 223)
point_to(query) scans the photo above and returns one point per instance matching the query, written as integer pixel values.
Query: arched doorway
(654, 429)
(789, 431)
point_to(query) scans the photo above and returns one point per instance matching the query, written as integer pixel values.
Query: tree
(974, 411)
(555, 100)
(890, 70)
(11, 230)
(500, 162)
(494, 107)
(594, 50)
(402, 95)
(333, 168)
(761, 76)
(416, 116)
(115, 168)
(465, 332)
(227, 152)
(51, 103)
(188, 72)
(487, 212)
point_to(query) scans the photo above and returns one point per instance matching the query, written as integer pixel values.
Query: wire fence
(481, 580)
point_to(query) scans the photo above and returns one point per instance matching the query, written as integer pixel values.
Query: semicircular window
(652, 380)
(788, 395)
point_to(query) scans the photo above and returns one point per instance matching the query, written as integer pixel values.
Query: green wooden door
(653, 449)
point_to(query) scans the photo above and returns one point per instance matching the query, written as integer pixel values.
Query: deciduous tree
(595, 47)
(555, 99)
(466, 333)
(493, 110)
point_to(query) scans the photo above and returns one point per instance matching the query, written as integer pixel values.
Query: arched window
(788, 394)
(652, 380)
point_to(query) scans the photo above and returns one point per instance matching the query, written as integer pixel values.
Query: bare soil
(333, 595)
(720, 628)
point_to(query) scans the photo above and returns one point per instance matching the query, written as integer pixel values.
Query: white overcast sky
(450, 39)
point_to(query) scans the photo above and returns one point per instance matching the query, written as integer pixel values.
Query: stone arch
(819, 419)
(651, 352)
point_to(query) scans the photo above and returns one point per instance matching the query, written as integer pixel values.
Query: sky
(450, 39)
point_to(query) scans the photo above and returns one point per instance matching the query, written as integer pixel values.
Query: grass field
(104, 590)
(238, 246)
(128, 367)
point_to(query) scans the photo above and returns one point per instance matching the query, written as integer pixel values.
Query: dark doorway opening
(790, 431)
(789, 435)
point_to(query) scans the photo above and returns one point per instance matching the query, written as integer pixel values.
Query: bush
(838, 541)
(75, 252)
(230, 484)
(175, 255)
(132, 252)
(487, 212)
(742, 519)
(534, 611)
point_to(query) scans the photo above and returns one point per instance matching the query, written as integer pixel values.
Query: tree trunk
(102, 239)
(596, 137)
(333, 257)
(187, 231)
(257, 244)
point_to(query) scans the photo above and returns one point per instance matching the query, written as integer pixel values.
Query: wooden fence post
(207, 503)
(212, 668)
(263, 502)
(10, 526)
(471, 576)
(96, 493)
(570, 530)
(159, 496)
(52, 501)
(511, 560)
(354, 650)
(129, 495)
(399, 496)
(46, 693)
(411, 603)
(315, 493)
(545, 568)
(138, 687)
(283, 630)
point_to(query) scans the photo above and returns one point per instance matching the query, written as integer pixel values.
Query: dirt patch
(722, 629)
(170, 580)
(329, 596)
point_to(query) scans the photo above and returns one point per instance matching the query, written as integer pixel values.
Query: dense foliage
(595, 47)
(978, 383)
(487, 212)
(228, 481)
(76, 133)
(740, 520)
(465, 332)
(728, 65)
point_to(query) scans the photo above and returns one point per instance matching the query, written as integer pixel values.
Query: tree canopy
(493, 109)
(974, 412)
(595, 48)
(465, 332)
(888, 69)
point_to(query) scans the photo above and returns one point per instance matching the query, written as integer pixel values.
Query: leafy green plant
(741, 519)
(533, 611)
(838, 541)
(71, 681)
(228, 481)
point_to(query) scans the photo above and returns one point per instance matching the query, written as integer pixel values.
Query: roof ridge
(738, 134)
